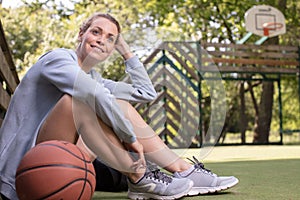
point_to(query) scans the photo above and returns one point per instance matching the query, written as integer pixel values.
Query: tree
(37, 27)
(32, 30)
(264, 115)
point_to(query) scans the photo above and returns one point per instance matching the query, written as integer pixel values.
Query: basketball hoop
(271, 26)
(265, 21)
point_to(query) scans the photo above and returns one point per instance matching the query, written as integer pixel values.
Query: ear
(79, 38)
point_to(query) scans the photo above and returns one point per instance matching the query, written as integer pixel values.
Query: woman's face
(98, 41)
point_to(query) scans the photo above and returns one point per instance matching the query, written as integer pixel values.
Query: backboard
(264, 20)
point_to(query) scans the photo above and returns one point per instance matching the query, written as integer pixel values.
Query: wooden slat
(185, 55)
(7, 54)
(167, 132)
(192, 73)
(244, 61)
(190, 48)
(250, 54)
(6, 73)
(158, 114)
(159, 124)
(251, 70)
(171, 123)
(173, 112)
(153, 54)
(171, 85)
(173, 100)
(179, 119)
(157, 75)
(4, 98)
(157, 99)
(178, 104)
(250, 46)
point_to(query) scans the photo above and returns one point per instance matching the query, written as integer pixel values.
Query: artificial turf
(259, 180)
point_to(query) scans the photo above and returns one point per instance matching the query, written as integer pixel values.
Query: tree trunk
(243, 122)
(264, 118)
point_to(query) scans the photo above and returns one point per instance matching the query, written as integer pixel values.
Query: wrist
(127, 55)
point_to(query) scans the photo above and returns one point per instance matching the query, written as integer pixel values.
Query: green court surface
(265, 172)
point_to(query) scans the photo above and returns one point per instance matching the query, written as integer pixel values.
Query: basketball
(55, 170)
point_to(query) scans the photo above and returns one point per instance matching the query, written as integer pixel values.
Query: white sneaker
(158, 185)
(205, 181)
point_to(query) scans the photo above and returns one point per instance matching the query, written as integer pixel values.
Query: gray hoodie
(57, 73)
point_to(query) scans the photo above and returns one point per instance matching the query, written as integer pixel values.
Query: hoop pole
(245, 38)
(261, 40)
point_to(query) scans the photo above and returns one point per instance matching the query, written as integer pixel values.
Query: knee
(65, 102)
(75, 109)
(66, 99)
(126, 107)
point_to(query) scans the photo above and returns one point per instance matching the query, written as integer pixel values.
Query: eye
(111, 39)
(95, 31)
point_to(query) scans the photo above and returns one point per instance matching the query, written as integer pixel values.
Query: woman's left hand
(123, 48)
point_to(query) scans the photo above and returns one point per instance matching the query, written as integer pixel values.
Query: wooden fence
(179, 70)
(8, 75)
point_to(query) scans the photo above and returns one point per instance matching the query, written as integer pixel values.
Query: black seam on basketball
(85, 178)
(53, 165)
(65, 186)
(47, 144)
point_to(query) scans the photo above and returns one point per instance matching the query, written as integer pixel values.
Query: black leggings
(4, 197)
(109, 179)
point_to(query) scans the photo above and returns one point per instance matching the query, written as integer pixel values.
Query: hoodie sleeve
(60, 68)
(140, 90)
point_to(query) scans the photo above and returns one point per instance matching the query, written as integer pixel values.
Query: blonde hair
(86, 24)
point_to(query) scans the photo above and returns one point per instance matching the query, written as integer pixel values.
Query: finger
(139, 166)
(142, 157)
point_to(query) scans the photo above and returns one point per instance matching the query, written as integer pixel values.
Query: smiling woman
(62, 97)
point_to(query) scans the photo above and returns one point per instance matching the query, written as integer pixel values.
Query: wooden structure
(239, 58)
(8, 75)
(183, 72)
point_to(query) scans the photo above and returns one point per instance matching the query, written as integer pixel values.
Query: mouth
(97, 48)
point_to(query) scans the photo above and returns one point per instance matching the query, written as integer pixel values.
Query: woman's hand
(139, 163)
(123, 48)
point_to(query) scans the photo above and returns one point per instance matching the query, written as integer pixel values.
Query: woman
(63, 98)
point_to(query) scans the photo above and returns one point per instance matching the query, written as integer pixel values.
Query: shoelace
(199, 165)
(157, 174)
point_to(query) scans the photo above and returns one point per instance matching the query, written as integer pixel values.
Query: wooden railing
(252, 58)
(8, 75)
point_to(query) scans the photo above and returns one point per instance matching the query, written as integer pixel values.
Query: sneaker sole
(144, 196)
(205, 190)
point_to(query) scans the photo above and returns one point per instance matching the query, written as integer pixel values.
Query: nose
(101, 40)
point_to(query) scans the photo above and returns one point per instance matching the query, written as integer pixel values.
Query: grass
(259, 180)
(265, 173)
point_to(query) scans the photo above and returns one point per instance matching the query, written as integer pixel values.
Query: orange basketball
(55, 170)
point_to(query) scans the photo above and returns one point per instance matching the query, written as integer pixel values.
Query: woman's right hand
(139, 163)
